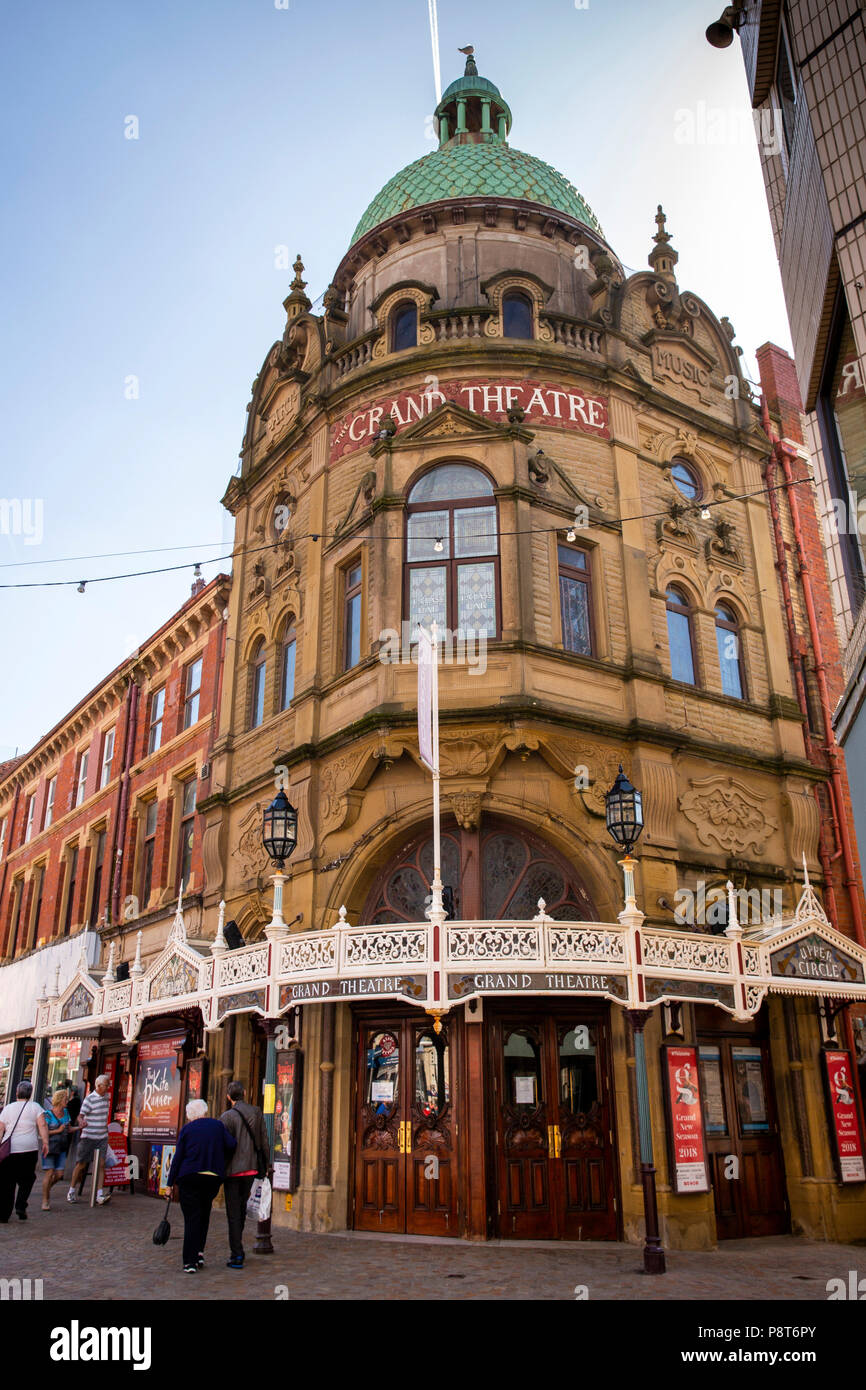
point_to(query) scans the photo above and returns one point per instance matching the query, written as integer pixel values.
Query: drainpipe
(123, 797)
(837, 797)
(793, 643)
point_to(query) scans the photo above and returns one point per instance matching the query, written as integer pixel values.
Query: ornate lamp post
(624, 817)
(279, 837)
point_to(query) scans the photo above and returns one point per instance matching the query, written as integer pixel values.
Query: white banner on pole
(425, 698)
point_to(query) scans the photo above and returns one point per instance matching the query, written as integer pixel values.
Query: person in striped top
(93, 1118)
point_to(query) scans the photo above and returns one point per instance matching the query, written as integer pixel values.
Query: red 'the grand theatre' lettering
(544, 404)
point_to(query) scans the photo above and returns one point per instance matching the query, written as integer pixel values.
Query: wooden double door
(742, 1130)
(551, 1126)
(405, 1177)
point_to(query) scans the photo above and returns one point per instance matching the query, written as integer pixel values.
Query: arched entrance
(497, 870)
(500, 1126)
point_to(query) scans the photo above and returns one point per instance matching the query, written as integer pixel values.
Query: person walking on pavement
(22, 1122)
(196, 1171)
(59, 1125)
(246, 1124)
(94, 1138)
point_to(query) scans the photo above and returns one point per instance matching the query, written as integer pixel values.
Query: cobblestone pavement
(107, 1253)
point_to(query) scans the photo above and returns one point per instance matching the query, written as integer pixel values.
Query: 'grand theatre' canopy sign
(543, 404)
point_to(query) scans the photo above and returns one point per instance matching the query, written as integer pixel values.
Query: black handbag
(58, 1143)
(163, 1230)
(6, 1145)
(261, 1156)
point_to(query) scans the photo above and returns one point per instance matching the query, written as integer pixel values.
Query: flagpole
(437, 912)
(437, 847)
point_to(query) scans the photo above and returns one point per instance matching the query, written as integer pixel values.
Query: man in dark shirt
(250, 1160)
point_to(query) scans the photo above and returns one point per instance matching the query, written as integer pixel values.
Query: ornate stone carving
(728, 813)
(250, 853)
(467, 752)
(467, 808)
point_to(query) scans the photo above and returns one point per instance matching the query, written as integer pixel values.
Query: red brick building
(98, 823)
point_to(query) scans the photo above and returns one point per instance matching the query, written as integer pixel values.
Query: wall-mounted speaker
(233, 936)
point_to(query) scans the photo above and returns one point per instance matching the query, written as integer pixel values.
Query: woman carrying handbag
(23, 1133)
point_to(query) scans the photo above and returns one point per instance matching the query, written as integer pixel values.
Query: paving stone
(107, 1253)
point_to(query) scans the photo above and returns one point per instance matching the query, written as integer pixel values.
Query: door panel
(552, 1129)
(742, 1137)
(587, 1210)
(405, 1160)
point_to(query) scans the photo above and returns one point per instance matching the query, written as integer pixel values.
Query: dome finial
(471, 70)
(662, 257)
(298, 283)
(296, 301)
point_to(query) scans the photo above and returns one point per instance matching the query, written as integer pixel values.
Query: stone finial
(219, 945)
(296, 302)
(178, 926)
(733, 928)
(110, 975)
(662, 257)
(137, 968)
(298, 283)
(56, 990)
(342, 915)
(541, 915)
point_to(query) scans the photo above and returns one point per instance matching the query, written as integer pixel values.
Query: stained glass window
(427, 596)
(442, 541)
(574, 600)
(476, 600)
(451, 482)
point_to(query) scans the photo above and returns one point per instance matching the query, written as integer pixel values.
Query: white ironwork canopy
(436, 965)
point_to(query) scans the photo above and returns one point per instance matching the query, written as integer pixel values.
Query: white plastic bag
(111, 1159)
(259, 1203)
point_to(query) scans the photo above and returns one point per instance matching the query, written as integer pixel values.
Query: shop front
(477, 1078)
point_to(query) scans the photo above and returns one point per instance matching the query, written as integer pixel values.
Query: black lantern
(280, 829)
(623, 812)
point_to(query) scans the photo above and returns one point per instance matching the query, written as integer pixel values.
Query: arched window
(452, 552)
(258, 670)
(287, 667)
(728, 643)
(404, 330)
(516, 316)
(686, 479)
(680, 635)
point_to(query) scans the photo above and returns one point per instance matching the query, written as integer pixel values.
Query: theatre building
(491, 426)
(100, 838)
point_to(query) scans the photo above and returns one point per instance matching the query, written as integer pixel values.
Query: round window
(686, 479)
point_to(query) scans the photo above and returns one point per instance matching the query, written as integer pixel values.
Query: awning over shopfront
(25, 983)
(634, 965)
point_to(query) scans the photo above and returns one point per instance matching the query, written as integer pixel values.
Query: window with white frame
(192, 690)
(81, 779)
(107, 757)
(50, 793)
(31, 809)
(2, 836)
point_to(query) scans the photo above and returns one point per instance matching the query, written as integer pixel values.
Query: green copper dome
(474, 160)
(489, 170)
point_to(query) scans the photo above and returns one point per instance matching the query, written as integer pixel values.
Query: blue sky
(262, 127)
